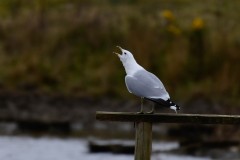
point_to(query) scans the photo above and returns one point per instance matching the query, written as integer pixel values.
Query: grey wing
(145, 84)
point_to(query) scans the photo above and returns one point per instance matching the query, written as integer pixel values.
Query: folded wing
(146, 84)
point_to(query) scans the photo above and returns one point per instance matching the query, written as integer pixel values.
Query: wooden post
(143, 141)
(143, 124)
(169, 118)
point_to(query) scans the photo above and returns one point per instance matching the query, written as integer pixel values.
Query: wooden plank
(168, 118)
(143, 141)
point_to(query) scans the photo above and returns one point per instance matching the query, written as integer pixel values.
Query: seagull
(144, 84)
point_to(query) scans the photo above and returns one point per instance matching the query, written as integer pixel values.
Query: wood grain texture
(143, 141)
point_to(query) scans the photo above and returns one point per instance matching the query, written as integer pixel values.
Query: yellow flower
(167, 14)
(198, 23)
(173, 29)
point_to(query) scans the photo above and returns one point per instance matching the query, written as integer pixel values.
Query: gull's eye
(125, 53)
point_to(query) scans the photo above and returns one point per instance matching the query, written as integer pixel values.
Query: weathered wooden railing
(143, 123)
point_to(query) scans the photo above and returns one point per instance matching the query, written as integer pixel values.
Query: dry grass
(63, 46)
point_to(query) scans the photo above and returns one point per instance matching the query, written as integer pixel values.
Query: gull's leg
(141, 111)
(153, 109)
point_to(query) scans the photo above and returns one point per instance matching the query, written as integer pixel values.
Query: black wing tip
(177, 107)
(165, 103)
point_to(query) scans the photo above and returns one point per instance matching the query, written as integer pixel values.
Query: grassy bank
(66, 46)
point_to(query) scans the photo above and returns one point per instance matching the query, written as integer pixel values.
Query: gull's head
(176, 108)
(125, 56)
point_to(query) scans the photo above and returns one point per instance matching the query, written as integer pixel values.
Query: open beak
(119, 47)
(116, 52)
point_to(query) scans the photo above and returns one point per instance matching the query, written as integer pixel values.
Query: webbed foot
(151, 112)
(141, 112)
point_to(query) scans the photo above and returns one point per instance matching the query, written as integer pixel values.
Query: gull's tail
(165, 103)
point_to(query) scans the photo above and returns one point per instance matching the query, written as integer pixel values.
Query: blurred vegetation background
(62, 46)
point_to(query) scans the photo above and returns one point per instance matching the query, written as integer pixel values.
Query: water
(49, 148)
